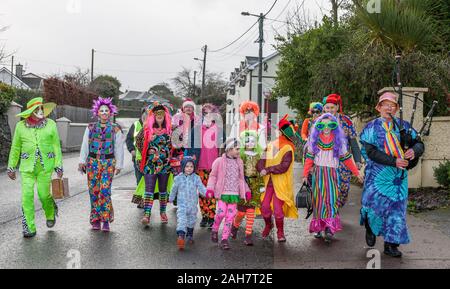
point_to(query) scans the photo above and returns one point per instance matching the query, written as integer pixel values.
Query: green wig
(244, 136)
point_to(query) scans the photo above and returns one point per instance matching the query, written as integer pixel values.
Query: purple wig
(339, 138)
(103, 101)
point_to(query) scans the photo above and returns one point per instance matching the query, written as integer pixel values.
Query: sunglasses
(160, 113)
(331, 125)
(316, 111)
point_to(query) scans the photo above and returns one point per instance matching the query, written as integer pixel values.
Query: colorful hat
(33, 104)
(286, 128)
(315, 106)
(334, 99)
(387, 96)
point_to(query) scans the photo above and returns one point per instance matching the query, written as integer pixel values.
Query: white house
(244, 87)
(6, 75)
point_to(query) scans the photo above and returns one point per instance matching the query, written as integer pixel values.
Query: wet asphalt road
(129, 245)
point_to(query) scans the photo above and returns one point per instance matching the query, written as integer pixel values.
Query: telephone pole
(261, 17)
(193, 92)
(204, 49)
(92, 65)
(12, 67)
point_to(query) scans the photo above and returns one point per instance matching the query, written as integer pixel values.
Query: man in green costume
(36, 145)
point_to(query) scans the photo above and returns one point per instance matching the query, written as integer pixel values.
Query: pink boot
(268, 227)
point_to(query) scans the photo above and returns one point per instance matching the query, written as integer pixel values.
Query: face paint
(38, 113)
(104, 112)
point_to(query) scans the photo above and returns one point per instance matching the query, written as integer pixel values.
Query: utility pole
(205, 48)
(12, 67)
(195, 75)
(92, 65)
(260, 40)
(261, 17)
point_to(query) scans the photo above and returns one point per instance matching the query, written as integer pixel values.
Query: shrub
(442, 174)
(7, 94)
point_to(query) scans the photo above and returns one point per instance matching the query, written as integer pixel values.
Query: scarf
(392, 145)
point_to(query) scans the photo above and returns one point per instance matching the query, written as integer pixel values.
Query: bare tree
(183, 83)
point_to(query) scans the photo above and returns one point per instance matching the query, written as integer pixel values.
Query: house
(6, 76)
(243, 86)
(20, 80)
(131, 102)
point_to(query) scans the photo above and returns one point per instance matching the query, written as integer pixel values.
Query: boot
(29, 234)
(105, 227)
(318, 235)
(268, 227)
(214, 236)
(145, 220)
(96, 226)
(180, 240)
(280, 229)
(164, 218)
(248, 240)
(204, 222)
(370, 237)
(391, 249)
(190, 235)
(328, 235)
(224, 245)
(210, 223)
(51, 223)
(234, 231)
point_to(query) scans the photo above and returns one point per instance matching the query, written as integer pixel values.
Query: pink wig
(150, 126)
(103, 101)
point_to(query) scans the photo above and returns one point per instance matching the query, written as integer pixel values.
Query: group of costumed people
(176, 159)
(332, 155)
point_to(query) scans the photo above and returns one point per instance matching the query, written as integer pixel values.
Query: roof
(267, 58)
(33, 82)
(140, 96)
(6, 70)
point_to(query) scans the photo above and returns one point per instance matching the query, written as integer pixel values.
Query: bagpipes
(406, 139)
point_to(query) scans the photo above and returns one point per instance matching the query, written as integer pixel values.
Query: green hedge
(7, 94)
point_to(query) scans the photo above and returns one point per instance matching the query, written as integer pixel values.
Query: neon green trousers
(43, 181)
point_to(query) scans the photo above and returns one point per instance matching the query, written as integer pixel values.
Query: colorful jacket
(159, 152)
(29, 141)
(217, 177)
(94, 141)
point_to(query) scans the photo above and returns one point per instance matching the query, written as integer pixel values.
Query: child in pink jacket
(226, 182)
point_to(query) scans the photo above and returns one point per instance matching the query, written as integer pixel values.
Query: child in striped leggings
(250, 154)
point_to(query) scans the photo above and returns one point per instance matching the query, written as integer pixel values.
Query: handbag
(303, 199)
(60, 188)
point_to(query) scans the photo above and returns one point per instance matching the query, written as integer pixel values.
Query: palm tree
(401, 25)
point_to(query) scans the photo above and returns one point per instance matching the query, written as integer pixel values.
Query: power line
(273, 5)
(237, 39)
(147, 55)
(242, 35)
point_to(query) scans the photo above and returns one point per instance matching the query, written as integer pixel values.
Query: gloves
(209, 194)
(248, 196)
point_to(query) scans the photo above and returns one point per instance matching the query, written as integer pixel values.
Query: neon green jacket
(25, 143)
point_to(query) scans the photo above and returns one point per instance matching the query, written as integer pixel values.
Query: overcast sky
(56, 36)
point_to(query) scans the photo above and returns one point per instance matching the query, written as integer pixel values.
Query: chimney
(19, 70)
